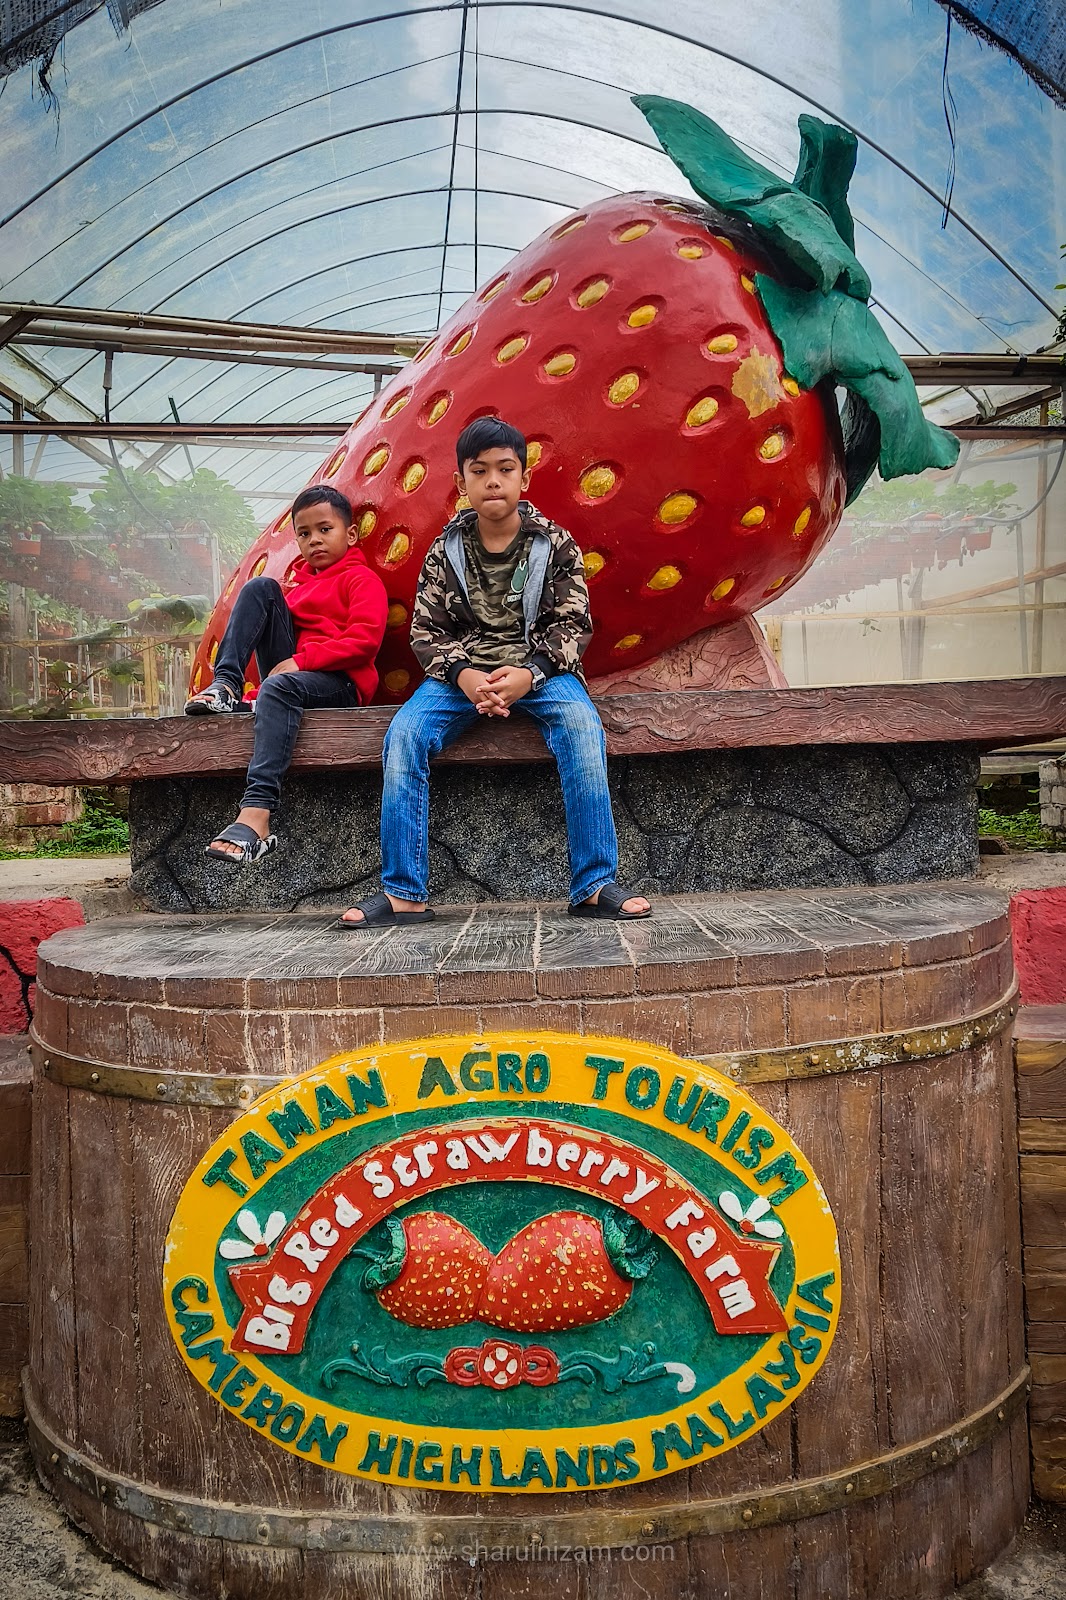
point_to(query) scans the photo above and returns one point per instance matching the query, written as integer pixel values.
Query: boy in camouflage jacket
(501, 619)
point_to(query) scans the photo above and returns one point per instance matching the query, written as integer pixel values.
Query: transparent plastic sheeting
(951, 575)
(259, 160)
(955, 575)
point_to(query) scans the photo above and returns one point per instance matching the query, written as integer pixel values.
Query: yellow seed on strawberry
(534, 450)
(569, 227)
(494, 288)
(598, 481)
(397, 550)
(438, 409)
(721, 239)
(413, 475)
(642, 315)
(457, 347)
(772, 446)
(790, 386)
(512, 348)
(629, 641)
(636, 230)
(702, 412)
(723, 344)
(396, 682)
(665, 578)
(592, 293)
(677, 508)
(747, 283)
(690, 252)
(623, 388)
(394, 407)
(753, 517)
(776, 584)
(592, 562)
(376, 460)
(367, 523)
(799, 527)
(561, 365)
(720, 590)
(538, 290)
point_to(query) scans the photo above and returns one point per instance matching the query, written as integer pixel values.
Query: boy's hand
(503, 687)
(288, 665)
(474, 684)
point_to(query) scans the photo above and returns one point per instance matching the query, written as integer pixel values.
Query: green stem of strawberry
(823, 324)
(386, 1257)
(631, 1248)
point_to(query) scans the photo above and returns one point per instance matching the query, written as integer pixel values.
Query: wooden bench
(989, 714)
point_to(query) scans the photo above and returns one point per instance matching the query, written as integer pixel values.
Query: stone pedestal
(719, 820)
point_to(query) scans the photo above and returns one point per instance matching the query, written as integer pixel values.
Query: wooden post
(151, 679)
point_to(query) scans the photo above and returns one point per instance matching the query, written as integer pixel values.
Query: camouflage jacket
(555, 602)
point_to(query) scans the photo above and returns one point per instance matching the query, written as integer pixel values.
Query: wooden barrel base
(873, 1025)
(62, 1467)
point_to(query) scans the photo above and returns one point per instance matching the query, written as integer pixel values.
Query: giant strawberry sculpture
(673, 366)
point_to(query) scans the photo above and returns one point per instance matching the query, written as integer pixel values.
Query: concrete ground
(101, 883)
(42, 1557)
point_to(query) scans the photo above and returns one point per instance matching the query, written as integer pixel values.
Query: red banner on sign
(280, 1292)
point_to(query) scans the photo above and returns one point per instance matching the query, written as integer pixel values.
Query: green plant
(909, 498)
(204, 503)
(24, 501)
(101, 830)
(1020, 828)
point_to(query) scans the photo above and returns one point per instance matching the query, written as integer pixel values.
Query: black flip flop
(251, 846)
(608, 907)
(378, 913)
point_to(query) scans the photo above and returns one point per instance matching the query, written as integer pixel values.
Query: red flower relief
(498, 1364)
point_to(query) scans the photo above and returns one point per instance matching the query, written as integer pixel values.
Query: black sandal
(215, 698)
(378, 912)
(251, 846)
(608, 906)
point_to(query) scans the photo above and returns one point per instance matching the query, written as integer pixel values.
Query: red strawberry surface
(443, 1273)
(557, 1273)
(629, 346)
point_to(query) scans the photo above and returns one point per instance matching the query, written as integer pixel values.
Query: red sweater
(340, 619)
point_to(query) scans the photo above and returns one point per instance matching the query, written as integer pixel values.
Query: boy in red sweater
(314, 644)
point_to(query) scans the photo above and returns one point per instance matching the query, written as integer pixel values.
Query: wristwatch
(539, 680)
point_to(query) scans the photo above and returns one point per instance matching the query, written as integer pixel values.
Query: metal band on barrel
(368, 1532)
(236, 1091)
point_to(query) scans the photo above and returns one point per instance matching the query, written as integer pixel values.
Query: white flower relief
(256, 1241)
(754, 1219)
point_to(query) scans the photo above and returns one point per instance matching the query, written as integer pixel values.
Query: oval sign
(518, 1262)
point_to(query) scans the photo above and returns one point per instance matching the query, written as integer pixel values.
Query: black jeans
(261, 624)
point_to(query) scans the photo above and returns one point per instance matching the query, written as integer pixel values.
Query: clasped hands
(492, 694)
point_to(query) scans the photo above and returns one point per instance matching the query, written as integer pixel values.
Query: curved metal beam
(313, 144)
(307, 278)
(443, 6)
(248, 127)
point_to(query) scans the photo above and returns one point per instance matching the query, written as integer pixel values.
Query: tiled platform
(275, 994)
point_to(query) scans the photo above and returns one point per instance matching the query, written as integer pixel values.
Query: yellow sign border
(341, 1436)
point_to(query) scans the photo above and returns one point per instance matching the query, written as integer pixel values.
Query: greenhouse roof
(259, 161)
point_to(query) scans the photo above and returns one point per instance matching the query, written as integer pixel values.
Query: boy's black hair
(489, 433)
(323, 494)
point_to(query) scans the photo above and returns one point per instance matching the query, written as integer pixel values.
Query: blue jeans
(261, 624)
(434, 717)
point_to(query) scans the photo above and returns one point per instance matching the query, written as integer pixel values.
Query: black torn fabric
(1032, 32)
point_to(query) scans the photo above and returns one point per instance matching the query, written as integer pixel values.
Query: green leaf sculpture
(823, 322)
